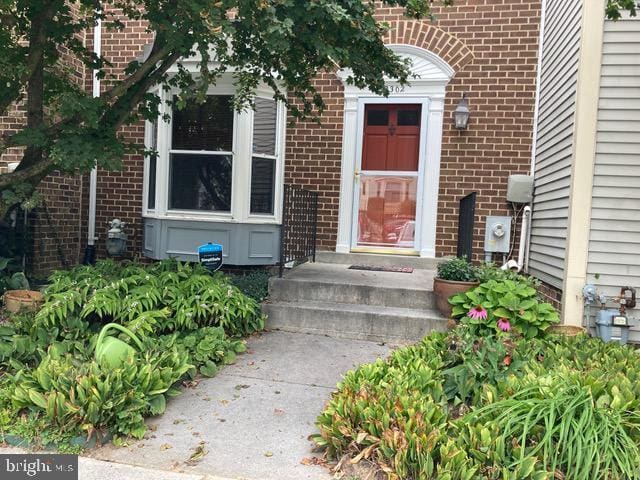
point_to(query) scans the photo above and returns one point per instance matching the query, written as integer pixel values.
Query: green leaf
(502, 312)
(157, 405)
(38, 399)
(229, 357)
(209, 369)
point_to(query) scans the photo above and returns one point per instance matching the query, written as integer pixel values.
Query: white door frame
(362, 103)
(430, 76)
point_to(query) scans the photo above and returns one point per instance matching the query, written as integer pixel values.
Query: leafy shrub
(11, 279)
(53, 388)
(471, 361)
(489, 271)
(457, 269)
(390, 412)
(160, 298)
(254, 284)
(71, 394)
(506, 305)
(207, 347)
(451, 407)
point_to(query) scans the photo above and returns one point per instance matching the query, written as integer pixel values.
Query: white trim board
(432, 74)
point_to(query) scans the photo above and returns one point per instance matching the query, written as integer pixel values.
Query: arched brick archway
(430, 75)
(429, 37)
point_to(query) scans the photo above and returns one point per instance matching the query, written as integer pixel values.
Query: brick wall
(492, 46)
(119, 194)
(54, 225)
(314, 154)
(551, 294)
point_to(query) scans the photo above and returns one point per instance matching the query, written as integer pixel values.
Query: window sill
(266, 220)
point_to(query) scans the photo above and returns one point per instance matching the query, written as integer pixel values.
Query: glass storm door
(387, 183)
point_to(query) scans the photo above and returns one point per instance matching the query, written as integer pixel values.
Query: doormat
(373, 268)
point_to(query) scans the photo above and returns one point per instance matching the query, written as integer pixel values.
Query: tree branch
(28, 174)
(35, 84)
(126, 103)
(35, 56)
(158, 51)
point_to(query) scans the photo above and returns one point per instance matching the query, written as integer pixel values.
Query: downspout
(523, 247)
(524, 262)
(90, 251)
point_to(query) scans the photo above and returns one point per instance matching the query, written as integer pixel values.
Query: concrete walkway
(251, 421)
(92, 469)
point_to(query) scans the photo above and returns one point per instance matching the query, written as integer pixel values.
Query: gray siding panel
(242, 243)
(614, 239)
(554, 139)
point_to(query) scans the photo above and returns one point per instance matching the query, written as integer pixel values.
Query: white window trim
(428, 88)
(148, 127)
(241, 164)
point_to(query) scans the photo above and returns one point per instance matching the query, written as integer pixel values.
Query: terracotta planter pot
(443, 289)
(569, 330)
(19, 300)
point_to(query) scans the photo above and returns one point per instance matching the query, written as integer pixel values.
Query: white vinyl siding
(554, 139)
(614, 240)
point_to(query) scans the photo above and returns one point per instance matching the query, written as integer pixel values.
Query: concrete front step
(331, 299)
(360, 322)
(324, 256)
(338, 284)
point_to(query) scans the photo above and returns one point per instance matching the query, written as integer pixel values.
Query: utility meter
(620, 321)
(497, 234)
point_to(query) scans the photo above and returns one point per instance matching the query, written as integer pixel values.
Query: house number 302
(396, 88)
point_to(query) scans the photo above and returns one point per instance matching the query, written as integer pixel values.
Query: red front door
(389, 176)
(391, 138)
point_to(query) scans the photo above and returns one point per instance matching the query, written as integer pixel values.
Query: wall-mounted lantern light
(461, 114)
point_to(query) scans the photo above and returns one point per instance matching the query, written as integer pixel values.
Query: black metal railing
(466, 219)
(299, 226)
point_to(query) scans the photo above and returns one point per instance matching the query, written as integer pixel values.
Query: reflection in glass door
(387, 213)
(388, 180)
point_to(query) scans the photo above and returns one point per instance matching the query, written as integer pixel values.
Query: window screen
(264, 126)
(262, 184)
(200, 182)
(205, 126)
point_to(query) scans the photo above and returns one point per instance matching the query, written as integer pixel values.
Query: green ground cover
(498, 397)
(52, 389)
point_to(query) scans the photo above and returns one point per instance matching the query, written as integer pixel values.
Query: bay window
(263, 160)
(215, 163)
(201, 156)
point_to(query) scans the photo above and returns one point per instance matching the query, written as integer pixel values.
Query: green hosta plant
(83, 396)
(207, 347)
(11, 281)
(507, 305)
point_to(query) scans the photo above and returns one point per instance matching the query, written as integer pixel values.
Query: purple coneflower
(504, 325)
(477, 312)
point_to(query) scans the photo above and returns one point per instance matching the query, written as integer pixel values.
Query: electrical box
(520, 188)
(497, 234)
